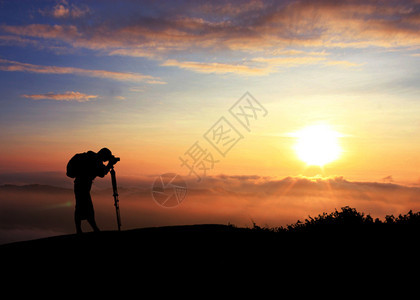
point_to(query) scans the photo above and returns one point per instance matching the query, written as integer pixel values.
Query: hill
(340, 243)
(215, 239)
(338, 227)
(174, 259)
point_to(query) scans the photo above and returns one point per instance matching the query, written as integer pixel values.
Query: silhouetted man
(85, 167)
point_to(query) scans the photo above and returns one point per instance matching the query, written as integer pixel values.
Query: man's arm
(102, 170)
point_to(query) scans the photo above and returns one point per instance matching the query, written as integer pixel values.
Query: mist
(34, 211)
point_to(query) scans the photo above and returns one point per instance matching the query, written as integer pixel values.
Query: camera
(113, 160)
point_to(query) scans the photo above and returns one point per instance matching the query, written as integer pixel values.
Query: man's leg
(78, 223)
(84, 207)
(92, 222)
(90, 213)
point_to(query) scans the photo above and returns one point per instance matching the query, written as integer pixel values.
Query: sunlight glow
(317, 145)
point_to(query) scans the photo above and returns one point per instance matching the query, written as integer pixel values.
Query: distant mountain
(34, 188)
(44, 178)
(60, 179)
(42, 188)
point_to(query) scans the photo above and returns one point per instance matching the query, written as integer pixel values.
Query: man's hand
(112, 161)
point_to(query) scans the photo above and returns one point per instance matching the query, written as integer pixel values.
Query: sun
(317, 145)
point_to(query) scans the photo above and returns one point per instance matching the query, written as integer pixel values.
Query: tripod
(115, 191)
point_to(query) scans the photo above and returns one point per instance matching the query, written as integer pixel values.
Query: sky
(154, 80)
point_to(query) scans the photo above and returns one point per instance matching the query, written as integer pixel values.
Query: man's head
(105, 154)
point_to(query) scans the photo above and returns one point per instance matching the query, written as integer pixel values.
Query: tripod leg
(118, 218)
(115, 190)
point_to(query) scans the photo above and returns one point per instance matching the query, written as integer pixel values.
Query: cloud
(289, 61)
(67, 96)
(66, 33)
(252, 26)
(16, 40)
(14, 66)
(388, 179)
(63, 9)
(280, 200)
(343, 63)
(258, 66)
(136, 89)
(216, 68)
(217, 199)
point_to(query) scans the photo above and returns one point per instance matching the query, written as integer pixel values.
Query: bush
(350, 219)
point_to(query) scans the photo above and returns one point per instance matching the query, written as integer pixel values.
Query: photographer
(84, 168)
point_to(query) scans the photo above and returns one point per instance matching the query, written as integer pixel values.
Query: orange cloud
(66, 33)
(60, 11)
(63, 9)
(259, 65)
(217, 68)
(289, 61)
(14, 66)
(67, 96)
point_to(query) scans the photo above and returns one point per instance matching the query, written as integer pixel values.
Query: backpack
(75, 165)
